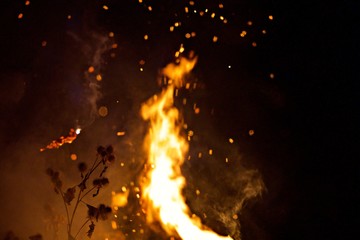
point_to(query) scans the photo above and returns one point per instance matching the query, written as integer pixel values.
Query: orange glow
(119, 199)
(20, 16)
(62, 140)
(163, 181)
(103, 111)
(73, 157)
(120, 133)
(91, 69)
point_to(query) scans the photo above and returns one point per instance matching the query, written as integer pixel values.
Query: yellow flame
(162, 188)
(119, 199)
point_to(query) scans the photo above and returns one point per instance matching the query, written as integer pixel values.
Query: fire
(164, 182)
(62, 140)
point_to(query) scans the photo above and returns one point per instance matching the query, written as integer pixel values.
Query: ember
(62, 140)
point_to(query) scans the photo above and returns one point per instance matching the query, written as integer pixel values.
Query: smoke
(219, 191)
(250, 186)
(94, 46)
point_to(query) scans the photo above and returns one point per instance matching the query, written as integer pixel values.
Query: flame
(164, 182)
(62, 140)
(119, 199)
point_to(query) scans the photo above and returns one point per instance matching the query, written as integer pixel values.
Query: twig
(82, 227)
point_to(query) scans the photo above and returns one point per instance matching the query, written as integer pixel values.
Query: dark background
(305, 119)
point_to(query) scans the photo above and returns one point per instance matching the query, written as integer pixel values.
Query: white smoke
(94, 46)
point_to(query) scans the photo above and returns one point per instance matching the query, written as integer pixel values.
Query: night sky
(290, 78)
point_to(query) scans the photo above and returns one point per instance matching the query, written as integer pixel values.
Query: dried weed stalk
(75, 195)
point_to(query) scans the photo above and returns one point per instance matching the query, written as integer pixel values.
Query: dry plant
(75, 195)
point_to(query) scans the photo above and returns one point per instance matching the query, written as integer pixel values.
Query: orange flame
(164, 182)
(62, 140)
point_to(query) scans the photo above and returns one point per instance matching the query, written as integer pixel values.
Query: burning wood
(62, 140)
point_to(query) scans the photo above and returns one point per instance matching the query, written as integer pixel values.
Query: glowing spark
(163, 182)
(73, 157)
(103, 111)
(91, 69)
(62, 140)
(113, 225)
